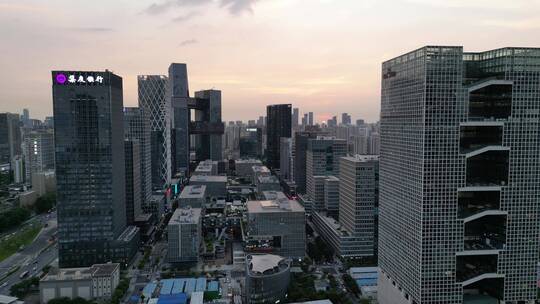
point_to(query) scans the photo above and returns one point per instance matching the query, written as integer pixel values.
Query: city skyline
(314, 65)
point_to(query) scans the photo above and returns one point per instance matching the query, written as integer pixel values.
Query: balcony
(474, 137)
(472, 204)
(490, 100)
(488, 167)
(486, 291)
(486, 233)
(475, 268)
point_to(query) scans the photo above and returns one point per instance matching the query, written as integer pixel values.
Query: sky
(320, 55)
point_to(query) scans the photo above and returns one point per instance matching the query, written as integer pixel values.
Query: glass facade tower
(459, 188)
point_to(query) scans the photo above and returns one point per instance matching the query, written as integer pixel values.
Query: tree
(351, 284)
(70, 301)
(13, 217)
(21, 289)
(45, 203)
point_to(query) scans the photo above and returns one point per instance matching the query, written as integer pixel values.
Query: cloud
(163, 7)
(186, 17)
(188, 42)
(92, 29)
(235, 7)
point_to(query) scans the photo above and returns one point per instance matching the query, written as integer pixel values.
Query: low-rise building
(267, 278)
(192, 196)
(216, 185)
(206, 167)
(276, 226)
(259, 171)
(243, 167)
(184, 235)
(96, 282)
(268, 183)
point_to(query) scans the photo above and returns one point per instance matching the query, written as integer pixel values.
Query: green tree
(21, 289)
(45, 203)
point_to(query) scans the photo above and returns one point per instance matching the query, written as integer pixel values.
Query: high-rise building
(305, 120)
(310, 118)
(295, 116)
(137, 128)
(49, 122)
(279, 125)
(180, 116)
(90, 169)
(459, 189)
(10, 137)
(250, 142)
(286, 158)
(359, 199)
(345, 119)
(208, 127)
(38, 152)
(322, 160)
(331, 196)
(25, 119)
(300, 150)
(154, 103)
(133, 180)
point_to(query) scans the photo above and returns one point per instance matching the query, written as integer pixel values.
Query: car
(4, 285)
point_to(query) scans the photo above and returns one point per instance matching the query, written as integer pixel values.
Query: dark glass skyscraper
(90, 170)
(278, 119)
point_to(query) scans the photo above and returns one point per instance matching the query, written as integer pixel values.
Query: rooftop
(274, 195)
(185, 216)
(278, 205)
(193, 191)
(83, 273)
(268, 179)
(261, 169)
(362, 158)
(248, 161)
(261, 263)
(208, 178)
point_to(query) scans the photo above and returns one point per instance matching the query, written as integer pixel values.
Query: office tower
(178, 95)
(360, 122)
(208, 127)
(90, 169)
(250, 142)
(279, 125)
(137, 128)
(25, 119)
(345, 119)
(261, 121)
(354, 234)
(310, 118)
(331, 196)
(322, 160)
(154, 103)
(300, 150)
(305, 120)
(459, 192)
(374, 143)
(133, 180)
(359, 199)
(49, 122)
(332, 122)
(18, 169)
(286, 158)
(184, 235)
(276, 226)
(38, 152)
(10, 137)
(295, 116)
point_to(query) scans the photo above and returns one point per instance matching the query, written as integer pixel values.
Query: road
(34, 257)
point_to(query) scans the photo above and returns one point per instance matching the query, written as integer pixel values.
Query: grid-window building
(322, 160)
(184, 235)
(10, 137)
(38, 152)
(276, 226)
(133, 180)
(90, 169)
(459, 188)
(137, 128)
